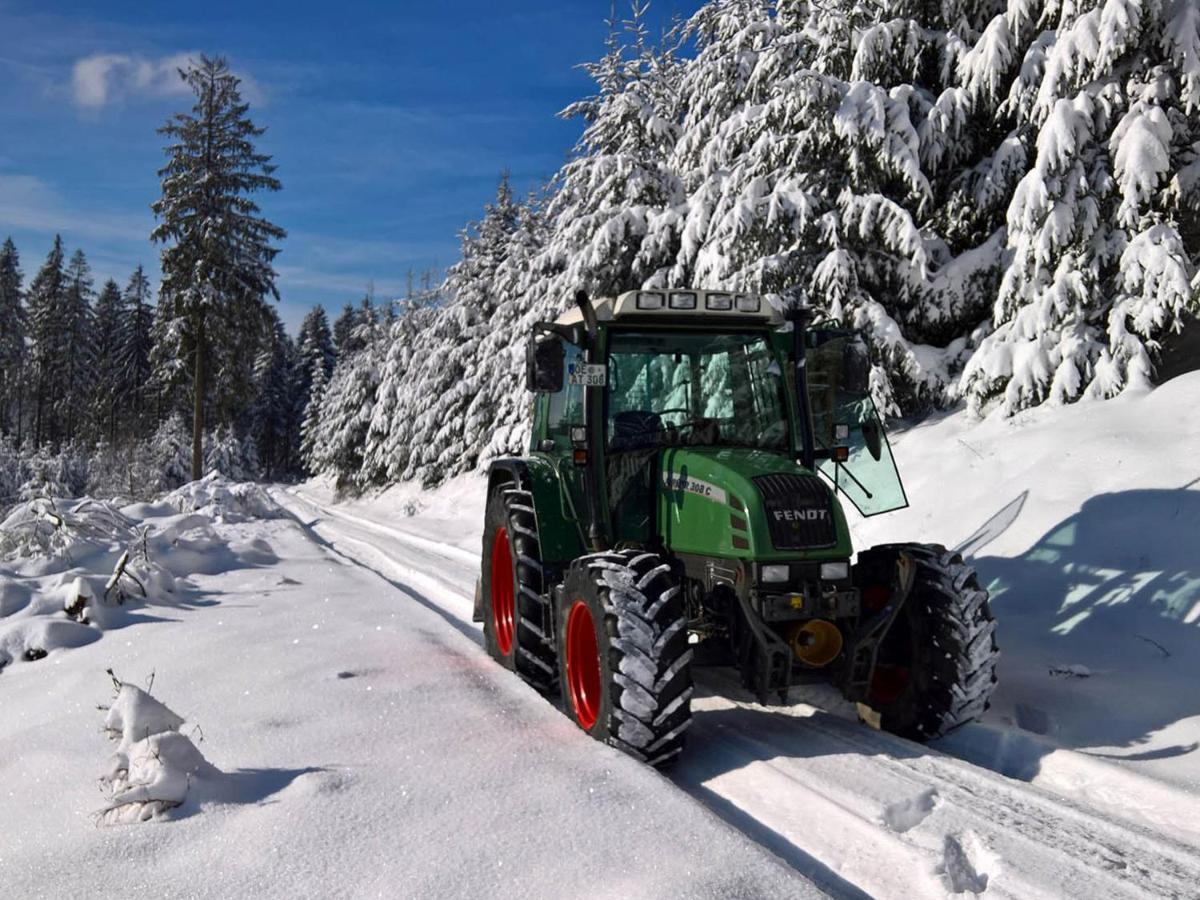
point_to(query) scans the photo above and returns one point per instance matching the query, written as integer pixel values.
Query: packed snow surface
(323, 718)
(290, 723)
(1084, 778)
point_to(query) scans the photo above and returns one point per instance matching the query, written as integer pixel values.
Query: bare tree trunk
(198, 403)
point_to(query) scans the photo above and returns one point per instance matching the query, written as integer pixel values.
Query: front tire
(936, 668)
(624, 659)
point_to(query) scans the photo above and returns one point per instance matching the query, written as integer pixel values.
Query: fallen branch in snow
(1071, 671)
(1161, 649)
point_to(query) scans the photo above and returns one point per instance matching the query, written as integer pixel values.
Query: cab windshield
(694, 389)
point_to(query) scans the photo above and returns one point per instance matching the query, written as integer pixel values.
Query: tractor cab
(679, 504)
(684, 384)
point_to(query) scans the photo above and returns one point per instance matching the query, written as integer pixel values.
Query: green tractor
(678, 508)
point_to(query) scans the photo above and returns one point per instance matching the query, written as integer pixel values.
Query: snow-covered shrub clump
(224, 500)
(72, 570)
(154, 765)
(43, 528)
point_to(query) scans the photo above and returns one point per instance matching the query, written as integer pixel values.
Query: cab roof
(682, 306)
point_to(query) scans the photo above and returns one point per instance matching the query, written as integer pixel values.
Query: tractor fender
(560, 533)
(863, 645)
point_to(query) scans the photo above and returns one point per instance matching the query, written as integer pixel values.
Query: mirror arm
(800, 316)
(593, 417)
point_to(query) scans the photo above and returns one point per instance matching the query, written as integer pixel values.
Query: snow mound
(154, 765)
(224, 500)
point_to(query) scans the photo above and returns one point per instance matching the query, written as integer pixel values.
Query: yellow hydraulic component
(816, 642)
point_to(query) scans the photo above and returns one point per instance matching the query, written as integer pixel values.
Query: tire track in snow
(820, 791)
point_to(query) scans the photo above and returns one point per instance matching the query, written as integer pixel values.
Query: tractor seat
(636, 429)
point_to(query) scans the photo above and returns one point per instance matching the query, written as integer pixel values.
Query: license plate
(587, 375)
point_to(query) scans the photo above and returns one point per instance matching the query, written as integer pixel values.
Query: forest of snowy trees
(1004, 195)
(89, 397)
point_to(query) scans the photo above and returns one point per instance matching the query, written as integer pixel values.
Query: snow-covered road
(857, 811)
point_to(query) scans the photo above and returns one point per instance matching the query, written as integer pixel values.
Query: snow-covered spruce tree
(496, 421)
(46, 299)
(448, 375)
(216, 262)
(232, 456)
(315, 347)
(345, 414)
(343, 328)
(819, 144)
(77, 366)
(273, 418)
(169, 453)
(389, 439)
(1105, 249)
(134, 372)
(12, 342)
(310, 426)
(614, 204)
(107, 396)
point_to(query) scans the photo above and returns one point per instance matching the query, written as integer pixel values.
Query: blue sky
(390, 122)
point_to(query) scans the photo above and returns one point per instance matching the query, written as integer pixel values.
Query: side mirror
(544, 363)
(856, 368)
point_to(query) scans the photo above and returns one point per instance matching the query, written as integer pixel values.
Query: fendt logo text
(800, 515)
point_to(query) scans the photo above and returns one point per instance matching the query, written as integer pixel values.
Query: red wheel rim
(888, 683)
(503, 592)
(583, 665)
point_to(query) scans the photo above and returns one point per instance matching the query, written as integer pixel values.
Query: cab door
(844, 415)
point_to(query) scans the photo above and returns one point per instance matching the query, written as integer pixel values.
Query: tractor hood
(752, 504)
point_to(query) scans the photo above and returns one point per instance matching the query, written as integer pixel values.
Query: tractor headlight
(748, 303)
(719, 302)
(682, 300)
(650, 300)
(835, 571)
(774, 573)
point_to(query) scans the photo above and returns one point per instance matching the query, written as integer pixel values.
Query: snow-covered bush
(224, 500)
(154, 765)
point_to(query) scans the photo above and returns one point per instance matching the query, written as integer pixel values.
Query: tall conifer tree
(218, 251)
(46, 298)
(108, 394)
(12, 340)
(134, 357)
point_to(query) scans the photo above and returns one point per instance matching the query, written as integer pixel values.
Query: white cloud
(104, 78)
(27, 203)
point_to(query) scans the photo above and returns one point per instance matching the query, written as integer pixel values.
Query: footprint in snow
(961, 870)
(910, 813)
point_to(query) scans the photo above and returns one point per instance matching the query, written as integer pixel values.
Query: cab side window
(566, 406)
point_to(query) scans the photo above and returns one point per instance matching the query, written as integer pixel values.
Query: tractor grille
(799, 511)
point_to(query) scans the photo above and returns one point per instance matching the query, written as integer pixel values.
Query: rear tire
(514, 608)
(936, 668)
(624, 659)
